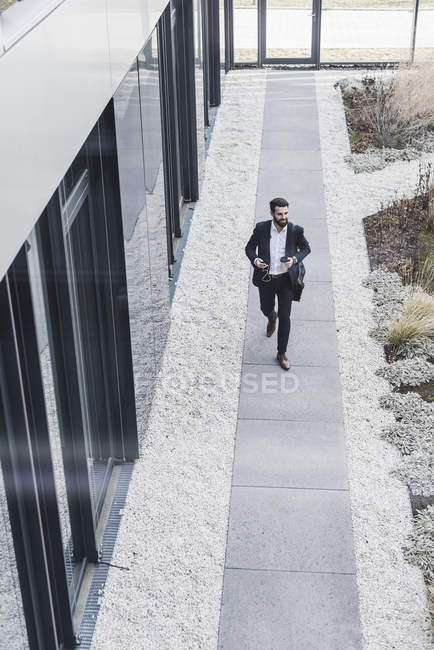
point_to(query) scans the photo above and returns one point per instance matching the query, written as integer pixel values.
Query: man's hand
(260, 263)
(288, 264)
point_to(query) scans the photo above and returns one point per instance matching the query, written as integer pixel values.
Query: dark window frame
(214, 52)
(229, 34)
(66, 379)
(312, 62)
(169, 128)
(315, 38)
(186, 87)
(205, 62)
(28, 470)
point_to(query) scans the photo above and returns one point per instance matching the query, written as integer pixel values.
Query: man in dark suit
(272, 239)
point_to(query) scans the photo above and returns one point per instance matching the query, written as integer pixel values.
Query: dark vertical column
(66, 382)
(262, 31)
(316, 33)
(21, 487)
(214, 52)
(229, 35)
(29, 361)
(205, 50)
(186, 99)
(413, 30)
(90, 275)
(169, 128)
(116, 318)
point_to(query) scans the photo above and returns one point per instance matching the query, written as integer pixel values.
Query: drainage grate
(99, 577)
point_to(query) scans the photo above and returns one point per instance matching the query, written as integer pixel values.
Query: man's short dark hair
(278, 203)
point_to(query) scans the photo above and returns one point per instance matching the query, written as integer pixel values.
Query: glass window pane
(424, 50)
(222, 32)
(75, 171)
(155, 196)
(198, 73)
(130, 152)
(57, 446)
(245, 31)
(135, 226)
(12, 624)
(289, 29)
(366, 30)
(84, 297)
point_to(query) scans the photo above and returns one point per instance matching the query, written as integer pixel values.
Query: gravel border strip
(393, 605)
(173, 532)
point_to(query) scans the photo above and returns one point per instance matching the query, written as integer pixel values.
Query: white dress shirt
(277, 248)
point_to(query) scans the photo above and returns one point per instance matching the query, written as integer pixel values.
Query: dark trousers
(267, 295)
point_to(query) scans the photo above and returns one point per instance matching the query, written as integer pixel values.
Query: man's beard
(282, 223)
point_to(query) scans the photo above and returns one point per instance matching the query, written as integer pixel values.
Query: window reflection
(57, 446)
(246, 31)
(424, 50)
(198, 72)
(130, 153)
(141, 174)
(289, 29)
(363, 31)
(222, 32)
(155, 196)
(79, 241)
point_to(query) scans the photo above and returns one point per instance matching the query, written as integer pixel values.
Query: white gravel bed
(392, 595)
(173, 532)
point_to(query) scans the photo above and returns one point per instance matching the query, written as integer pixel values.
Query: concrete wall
(54, 83)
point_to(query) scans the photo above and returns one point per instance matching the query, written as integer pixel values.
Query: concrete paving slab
(292, 85)
(318, 266)
(281, 116)
(303, 88)
(290, 530)
(311, 343)
(295, 103)
(276, 118)
(305, 139)
(299, 184)
(290, 454)
(264, 610)
(281, 101)
(305, 206)
(300, 393)
(316, 303)
(276, 160)
(315, 230)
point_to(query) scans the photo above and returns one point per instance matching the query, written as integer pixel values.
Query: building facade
(105, 112)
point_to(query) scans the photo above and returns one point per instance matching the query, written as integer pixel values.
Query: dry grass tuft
(416, 320)
(413, 91)
(401, 110)
(422, 277)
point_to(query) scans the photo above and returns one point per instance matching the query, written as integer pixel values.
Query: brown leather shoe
(284, 361)
(271, 326)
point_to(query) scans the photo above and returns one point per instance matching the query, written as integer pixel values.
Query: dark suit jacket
(260, 240)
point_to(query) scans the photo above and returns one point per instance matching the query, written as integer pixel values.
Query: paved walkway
(289, 578)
